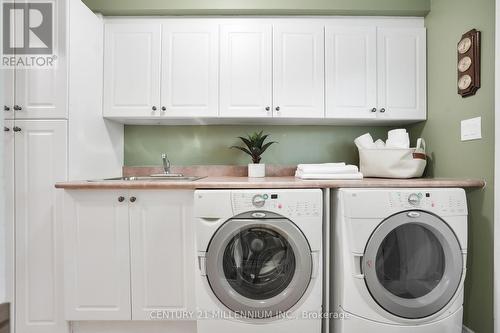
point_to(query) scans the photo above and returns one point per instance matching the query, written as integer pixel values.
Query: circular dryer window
(413, 264)
(259, 268)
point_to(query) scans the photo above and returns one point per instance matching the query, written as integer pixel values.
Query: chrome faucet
(166, 163)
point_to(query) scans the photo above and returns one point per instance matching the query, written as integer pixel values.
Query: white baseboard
(465, 329)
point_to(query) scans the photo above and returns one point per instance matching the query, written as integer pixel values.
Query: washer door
(413, 264)
(259, 268)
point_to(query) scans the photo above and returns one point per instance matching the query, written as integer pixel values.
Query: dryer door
(413, 264)
(259, 268)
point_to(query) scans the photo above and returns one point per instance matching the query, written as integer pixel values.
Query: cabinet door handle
(6, 129)
(17, 129)
(153, 108)
(163, 108)
(374, 110)
(17, 107)
(268, 108)
(278, 108)
(121, 199)
(382, 110)
(133, 199)
(6, 108)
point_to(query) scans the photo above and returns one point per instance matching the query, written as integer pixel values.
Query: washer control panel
(286, 204)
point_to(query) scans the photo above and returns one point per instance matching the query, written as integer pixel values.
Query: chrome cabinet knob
(133, 199)
(268, 108)
(278, 108)
(154, 108)
(17, 107)
(6, 108)
(382, 110)
(163, 108)
(17, 129)
(6, 129)
(374, 110)
(121, 199)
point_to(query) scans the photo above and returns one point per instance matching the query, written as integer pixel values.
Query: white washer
(399, 260)
(260, 260)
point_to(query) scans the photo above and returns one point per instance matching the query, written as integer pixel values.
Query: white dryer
(399, 258)
(260, 260)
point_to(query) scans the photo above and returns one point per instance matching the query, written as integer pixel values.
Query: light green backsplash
(260, 7)
(188, 145)
(447, 21)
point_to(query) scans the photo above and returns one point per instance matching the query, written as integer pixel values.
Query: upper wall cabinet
(190, 70)
(258, 70)
(375, 73)
(401, 54)
(351, 72)
(246, 70)
(165, 69)
(132, 69)
(299, 57)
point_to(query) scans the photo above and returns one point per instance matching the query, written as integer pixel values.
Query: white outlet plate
(470, 129)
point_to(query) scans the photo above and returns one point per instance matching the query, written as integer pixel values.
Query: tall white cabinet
(40, 157)
(50, 113)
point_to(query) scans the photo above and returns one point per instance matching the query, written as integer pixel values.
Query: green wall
(446, 23)
(188, 145)
(260, 7)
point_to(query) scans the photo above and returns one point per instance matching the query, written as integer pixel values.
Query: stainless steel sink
(159, 177)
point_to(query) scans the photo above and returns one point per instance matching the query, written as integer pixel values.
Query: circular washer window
(259, 263)
(259, 268)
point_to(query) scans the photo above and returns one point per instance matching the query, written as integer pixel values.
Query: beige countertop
(222, 182)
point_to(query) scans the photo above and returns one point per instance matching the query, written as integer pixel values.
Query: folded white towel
(330, 176)
(335, 165)
(328, 169)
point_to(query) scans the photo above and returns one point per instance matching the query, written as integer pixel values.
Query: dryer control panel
(291, 204)
(368, 203)
(428, 200)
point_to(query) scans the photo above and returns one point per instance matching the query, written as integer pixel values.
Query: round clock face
(464, 45)
(464, 82)
(464, 64)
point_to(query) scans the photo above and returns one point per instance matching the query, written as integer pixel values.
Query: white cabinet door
(97, 256)
(298, 67)
(8, 193)
(190, 69)
(40, 162)
(351, 72)
(42, 93)
(132, 69)
(8, 93)
(246, 70)
(402, 73)
(163, 253)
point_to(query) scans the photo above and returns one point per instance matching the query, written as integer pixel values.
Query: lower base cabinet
(128, 253)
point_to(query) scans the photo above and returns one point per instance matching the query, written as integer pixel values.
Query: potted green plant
(255, 147)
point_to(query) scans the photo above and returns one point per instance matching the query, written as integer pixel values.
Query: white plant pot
(256, 170)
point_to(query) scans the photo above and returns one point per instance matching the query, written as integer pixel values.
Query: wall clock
(468, 63)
